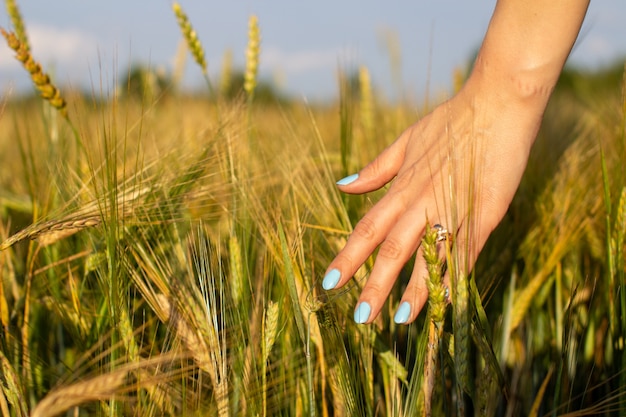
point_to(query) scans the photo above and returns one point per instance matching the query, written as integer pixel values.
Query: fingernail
(403, 313)
(348, 180)
(331, 279)
(362, 313)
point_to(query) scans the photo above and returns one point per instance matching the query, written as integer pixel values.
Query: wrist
(507, 102)
(526, 85)
(525, 48)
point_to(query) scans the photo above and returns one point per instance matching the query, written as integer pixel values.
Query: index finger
(369, 232)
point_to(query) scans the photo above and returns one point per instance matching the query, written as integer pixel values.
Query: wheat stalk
(619, 231)
(461, 330)
(41, 80)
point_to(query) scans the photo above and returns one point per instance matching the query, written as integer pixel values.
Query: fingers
(378, 172)
(374, 228)
(405, 231)
(451, 160)
(394, 252)
(465, 246)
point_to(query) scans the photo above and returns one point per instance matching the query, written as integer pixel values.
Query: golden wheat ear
(191, 37)
(48, 91)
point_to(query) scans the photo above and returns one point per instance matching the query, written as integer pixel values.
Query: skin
(461, 165)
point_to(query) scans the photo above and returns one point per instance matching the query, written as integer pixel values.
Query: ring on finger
(442, 233)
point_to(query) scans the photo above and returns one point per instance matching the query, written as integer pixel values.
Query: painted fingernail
(362, 313)
(403, 313)
(348, 180)
(331, 279)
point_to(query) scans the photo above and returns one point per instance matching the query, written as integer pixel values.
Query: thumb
(378, 172)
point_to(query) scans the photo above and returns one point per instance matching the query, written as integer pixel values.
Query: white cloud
(300, 62)
(66, 47)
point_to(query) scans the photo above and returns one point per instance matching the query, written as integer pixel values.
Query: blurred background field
(163, 254)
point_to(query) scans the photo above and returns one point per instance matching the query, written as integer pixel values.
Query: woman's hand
(460, 167)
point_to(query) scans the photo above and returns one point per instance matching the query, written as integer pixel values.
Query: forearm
(526, 46)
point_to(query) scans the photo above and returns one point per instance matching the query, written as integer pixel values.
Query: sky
(87, 42)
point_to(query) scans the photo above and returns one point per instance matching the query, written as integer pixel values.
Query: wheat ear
(191, 37)
(270, 330)
(11, 388)
(53, 230)
(252, 56)
(41, 80)
(17, 22)
(203, 345)
(437, 311)
(105, 386)
(226, 73)
(436, 289)
(367, 100)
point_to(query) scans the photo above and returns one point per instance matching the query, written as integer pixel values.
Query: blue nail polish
(362, 313)
(331, 279)
(348, 180)
(403, 313)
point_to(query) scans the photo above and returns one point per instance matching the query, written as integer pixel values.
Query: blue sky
(303, 43)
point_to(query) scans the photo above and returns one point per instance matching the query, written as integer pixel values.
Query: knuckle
(366, 229)
(416, 293)
(404, 180)
(391, 249)
(344, 262)
(373, 291)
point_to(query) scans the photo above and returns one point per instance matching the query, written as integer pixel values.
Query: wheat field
(162, 254)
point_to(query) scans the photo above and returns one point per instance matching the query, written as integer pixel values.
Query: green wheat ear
(41, 80)
(191, 37)
(437, 312)
(226, 73)
(17, 22)
(436, 289)
(367, 100)
(252, 55)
